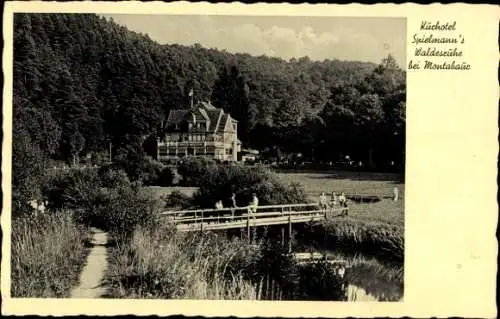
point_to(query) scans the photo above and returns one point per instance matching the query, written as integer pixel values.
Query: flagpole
(191, 94)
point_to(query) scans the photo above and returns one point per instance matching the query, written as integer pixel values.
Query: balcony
(191, 144)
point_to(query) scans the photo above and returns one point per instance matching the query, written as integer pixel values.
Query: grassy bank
(382, 240)
(159, 263)
(48, 253)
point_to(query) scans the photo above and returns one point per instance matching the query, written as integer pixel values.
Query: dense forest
(83, 84)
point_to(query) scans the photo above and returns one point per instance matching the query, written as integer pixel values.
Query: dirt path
(97, 261)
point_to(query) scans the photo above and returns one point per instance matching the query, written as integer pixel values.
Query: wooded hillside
(82, 82)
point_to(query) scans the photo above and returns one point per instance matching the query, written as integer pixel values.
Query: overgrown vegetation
(105, 199)
(351, 234)
(219, 182)
(48, 253)
(157, 263)
(160, 263)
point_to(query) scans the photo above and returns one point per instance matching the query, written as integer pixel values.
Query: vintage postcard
(270, 160)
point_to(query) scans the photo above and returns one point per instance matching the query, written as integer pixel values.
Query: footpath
(93, 273)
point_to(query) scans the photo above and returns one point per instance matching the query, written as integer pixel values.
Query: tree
(77, 142)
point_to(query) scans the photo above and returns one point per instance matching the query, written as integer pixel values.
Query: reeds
(48, 252)
(160, 263)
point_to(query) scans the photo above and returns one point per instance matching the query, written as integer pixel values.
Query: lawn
(362, 183)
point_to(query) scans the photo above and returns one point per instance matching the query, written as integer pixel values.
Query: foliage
(48, 252)
(27, 173)
(83, 84)
(108, 201)
(193, 170)
(319, 281)
(177, 199)
(159, 263)
(371, 237)
(219, 182)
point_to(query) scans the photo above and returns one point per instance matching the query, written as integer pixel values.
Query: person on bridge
(334, 198)
(218, 205)
(233, 204)
(323, 202)
(252, 207)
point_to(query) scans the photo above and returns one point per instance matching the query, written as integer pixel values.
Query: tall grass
(157, 262)
(48, 253)
(376, 239)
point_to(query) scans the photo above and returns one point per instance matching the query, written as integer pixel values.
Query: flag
(190, 92)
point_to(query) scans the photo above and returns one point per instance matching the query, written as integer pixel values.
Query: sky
(319, 38)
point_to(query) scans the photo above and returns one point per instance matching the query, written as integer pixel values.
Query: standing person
(218, 206)
(253, 204)
(233, 205)
(343, 204)
(323, 205)
(334, 198)
(396, 193)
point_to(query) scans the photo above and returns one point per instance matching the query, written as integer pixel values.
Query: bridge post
(290, 230)
(201, 225)
(283, 236)
(248, 228)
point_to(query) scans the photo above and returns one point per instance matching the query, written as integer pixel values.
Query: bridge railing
(244, 213)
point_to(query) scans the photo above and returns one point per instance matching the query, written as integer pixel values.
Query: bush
(166, 177)
(150, 171)
(120, 209)
(105, 199)
(48, 252)
(113, 177)
(177, 199)
(193, 170)
(73, 189)
(219, 182)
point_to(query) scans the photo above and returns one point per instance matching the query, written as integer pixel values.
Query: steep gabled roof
(176, 117)
(215, 117)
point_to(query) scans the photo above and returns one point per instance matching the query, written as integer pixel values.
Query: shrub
(104, 199)
(177, 199)
(166, 177)
(150, 171)
(74, 189)
(193, 170)
(48, 252)
(113, 177)
(221, 181)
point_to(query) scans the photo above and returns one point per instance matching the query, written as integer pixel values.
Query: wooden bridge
(243, 217)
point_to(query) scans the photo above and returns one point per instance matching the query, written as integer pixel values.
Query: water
(369, 279)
